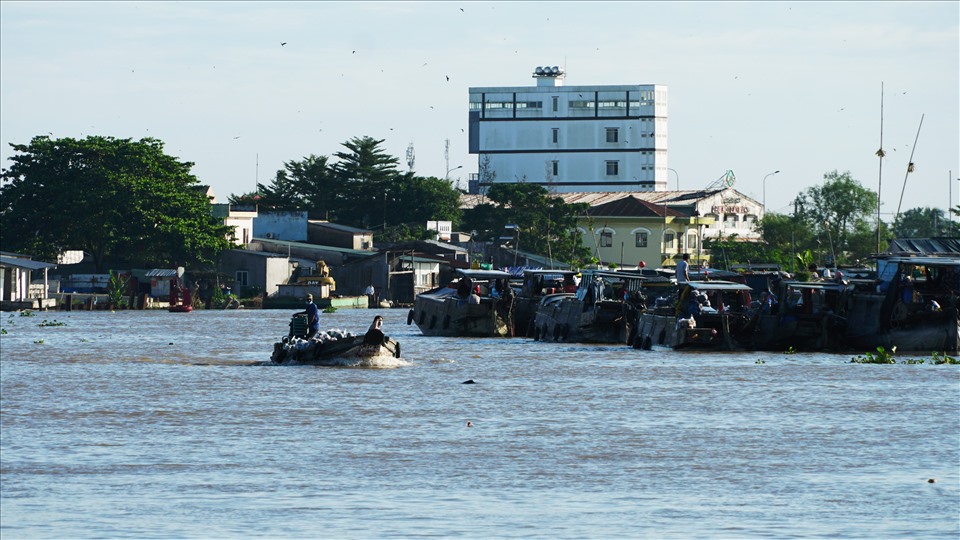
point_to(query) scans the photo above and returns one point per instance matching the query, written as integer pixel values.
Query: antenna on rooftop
(727, 180)
(410, 157)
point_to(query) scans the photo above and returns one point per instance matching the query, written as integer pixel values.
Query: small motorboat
(334, 347)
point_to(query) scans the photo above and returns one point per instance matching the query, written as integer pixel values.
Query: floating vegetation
(3, 331)
(27, 313)
(759, 361)
(52, 323)
(790, 350)
(39, 342)
(329, 309)
(884, 357)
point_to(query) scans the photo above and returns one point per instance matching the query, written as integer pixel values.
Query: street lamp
(678, 177)
(765, 190)
(447, 176)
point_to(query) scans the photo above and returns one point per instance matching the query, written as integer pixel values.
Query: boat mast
(880, 154)
(909, 168)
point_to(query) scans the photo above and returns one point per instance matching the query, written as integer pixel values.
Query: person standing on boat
(683, 269)
(313, 317)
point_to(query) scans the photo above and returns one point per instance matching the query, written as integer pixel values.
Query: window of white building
(613, 168)
(668, 239)
(556, 103)
(613, 135)
(606, 238)
(554, 168)
(556, 135)
(641, 239)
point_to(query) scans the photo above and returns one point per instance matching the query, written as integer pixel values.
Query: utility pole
(446, 154)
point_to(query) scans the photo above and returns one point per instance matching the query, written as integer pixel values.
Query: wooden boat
(538, 284)
(808, 316)
(672, 324)
(603, 309)
(913, 307)
(333, 347)
(457, 310)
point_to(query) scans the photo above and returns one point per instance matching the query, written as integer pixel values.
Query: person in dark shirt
(374, 335)
(313, 317)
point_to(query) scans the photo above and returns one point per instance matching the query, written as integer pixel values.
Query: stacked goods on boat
(334, 343)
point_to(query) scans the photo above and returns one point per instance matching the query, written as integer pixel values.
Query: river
(148, 424)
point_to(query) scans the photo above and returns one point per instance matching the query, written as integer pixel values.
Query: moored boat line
(911, 304)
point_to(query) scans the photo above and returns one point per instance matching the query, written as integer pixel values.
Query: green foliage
(329, 309)
(3, 331)
(363, 188)
(52, 323)
(943, 358)
(924, 223)
(27, 313)
(881, 357)
(38, 342)
(729, 251)
(116, 288)
(110, 197)
(547, 225)
(884, 357)
(835, 208)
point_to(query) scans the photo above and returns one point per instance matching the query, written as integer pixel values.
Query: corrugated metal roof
(26, 264)
(594, 198)
(161, 272)
(631, 206)
(337, 226)
(925, 246)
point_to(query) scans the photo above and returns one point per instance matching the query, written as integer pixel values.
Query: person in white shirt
(683, 269)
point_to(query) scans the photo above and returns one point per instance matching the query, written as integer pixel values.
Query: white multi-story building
(570, 138)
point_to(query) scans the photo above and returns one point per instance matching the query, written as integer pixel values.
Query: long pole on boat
(880, 154)
(909, 168)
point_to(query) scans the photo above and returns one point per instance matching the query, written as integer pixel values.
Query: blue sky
(754, 87)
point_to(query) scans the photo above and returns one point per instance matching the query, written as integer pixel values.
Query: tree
(837, 206)
(364, 175)
(728, 251)
(110, 197)
(546, 225)
(785, 235)
(924, 223)
(414, 200)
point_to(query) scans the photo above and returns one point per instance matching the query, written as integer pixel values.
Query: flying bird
(283, 43)
(354, 52)
(235, 138)
(448, 78)
(461, 9)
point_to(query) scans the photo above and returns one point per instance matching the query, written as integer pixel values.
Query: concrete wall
(289, 226)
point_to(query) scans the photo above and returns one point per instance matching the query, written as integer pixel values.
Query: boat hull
(452, 316)
(573, 321)
(345, 351)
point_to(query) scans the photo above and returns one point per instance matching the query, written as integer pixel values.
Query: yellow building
(629, 230)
